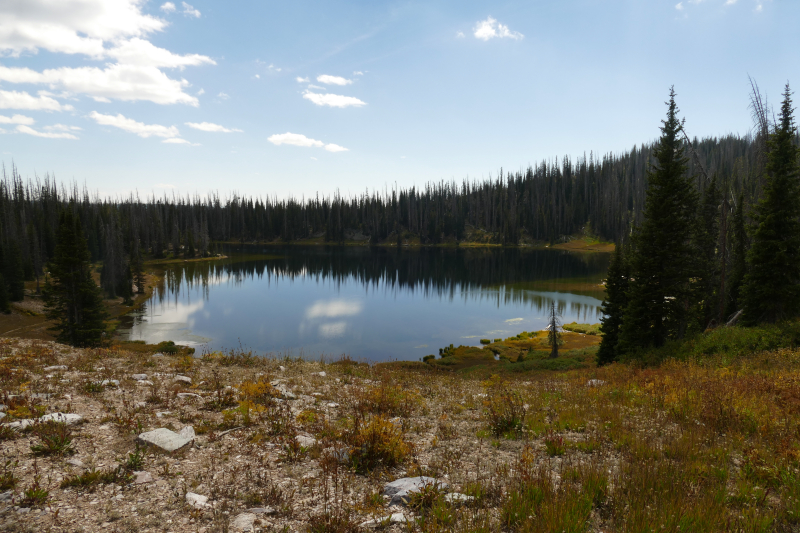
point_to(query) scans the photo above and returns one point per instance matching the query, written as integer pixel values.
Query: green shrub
(167, 347)
(55, 438)
(427, 358)
(485, 341)
(586, 329)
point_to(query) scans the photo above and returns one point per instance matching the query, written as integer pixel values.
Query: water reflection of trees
(486, 274)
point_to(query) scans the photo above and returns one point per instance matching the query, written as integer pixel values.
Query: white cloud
(190, 11)
(679, 6)
(223, 96)
(201, 92)
(333, 80)
(23, 100)
(730, 2)
(120, 82)
(177, 140)
(334, 308)
(460, 34)
(312, 86)
(301, 80)
(30, 131)
(272, 68)
(358, 73)
(333, 100)
(490, 29)
(17, 119)
(143, 53)
(297, 139)
(258, 76)
(208, 126)
(335, 148)
(71, 26)
(62, 127)
(168, 7)
(130, 125)
(294, 139)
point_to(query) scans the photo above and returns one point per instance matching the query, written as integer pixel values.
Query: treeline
(544, 203)
(703, 255)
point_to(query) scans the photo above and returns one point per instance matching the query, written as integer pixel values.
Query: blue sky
(291, 98)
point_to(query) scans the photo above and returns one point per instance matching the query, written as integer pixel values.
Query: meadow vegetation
(703, 436)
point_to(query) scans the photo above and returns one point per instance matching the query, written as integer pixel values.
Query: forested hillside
(556, 198)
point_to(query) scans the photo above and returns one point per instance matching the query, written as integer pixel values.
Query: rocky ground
(226, 443)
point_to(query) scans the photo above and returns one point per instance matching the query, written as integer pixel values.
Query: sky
(297, 98)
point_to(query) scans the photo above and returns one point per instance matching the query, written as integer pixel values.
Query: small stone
(305, 442)
(165, 439)
(189, 396)
(197, 501)
(142, 478)
(243, 522)
(158, 354)
(75, 462)
(400, 490)
(23, 510)
(3, 407)
(395, 518)
(183, 379)
(41, 395)
(7, 496)
(68, 418)
(139, 377)
(162, 414)
(282, 368)
(261, 510)
(333, 405)
(2, 415)
(456, 498)
(55, 368)
(187, 432)
(110, 383)
(145, 382)
(595, 383)
(20, 424)
(322, 374)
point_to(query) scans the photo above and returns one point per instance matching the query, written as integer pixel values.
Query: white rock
(146, 382)
(458, 498)
(197, 501)
(110, 383)
(142, 478)
(400, 490)
(189, 396)
(243, 522)
(333, 405)
(55, 368)
(2, 415)
(282, 368)
(21, 424)
(183, 379)
(322, 374)
(68, 418)
(165, 439)
(305, 442)
(261, 510)
(396, 518)
(162, 414)
(187, 432)
(595, 383)
(75, 462)
(139, 377)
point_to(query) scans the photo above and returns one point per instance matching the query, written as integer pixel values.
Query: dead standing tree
(553, 335)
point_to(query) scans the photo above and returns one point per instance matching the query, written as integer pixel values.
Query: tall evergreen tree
(14, 273)
(663, 260)
(738, 260)
(614, 305)
(706, 240)
(5, 303)
(771, 289)
(72, 298)
(553, 335)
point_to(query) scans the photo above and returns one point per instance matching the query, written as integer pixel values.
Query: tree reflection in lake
(372, 303)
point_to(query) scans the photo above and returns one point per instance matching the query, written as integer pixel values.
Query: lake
(373, 304)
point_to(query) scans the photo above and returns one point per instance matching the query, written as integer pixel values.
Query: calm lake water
(373, 304)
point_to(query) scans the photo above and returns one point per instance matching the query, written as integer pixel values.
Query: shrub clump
(376, 443)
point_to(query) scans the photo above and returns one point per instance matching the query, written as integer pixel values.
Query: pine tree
(5, 303)
(770, 291)
(706, 240)
(72, 298)
(613, 307)
(663, 260)
(553, 335)
(137, 271)
(738, 261)
(14, 273)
